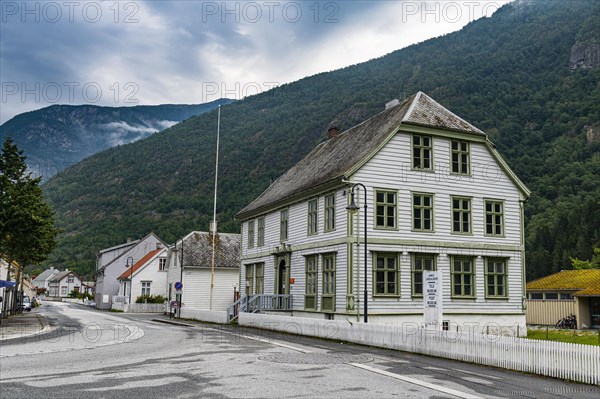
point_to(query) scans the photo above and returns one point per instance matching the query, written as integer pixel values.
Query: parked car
(26, 304)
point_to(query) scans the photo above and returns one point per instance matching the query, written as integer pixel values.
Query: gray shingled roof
(332, 160)
(45, 274)
(197, 250)
(62, 275)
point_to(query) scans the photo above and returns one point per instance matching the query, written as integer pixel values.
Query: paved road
(93, 354)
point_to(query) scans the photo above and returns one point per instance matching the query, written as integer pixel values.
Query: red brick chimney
(333, 132)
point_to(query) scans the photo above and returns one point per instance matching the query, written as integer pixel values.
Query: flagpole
(213, 226)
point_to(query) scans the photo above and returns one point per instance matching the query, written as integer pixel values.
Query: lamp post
(130, 260)
(352, 208)
(179, 297)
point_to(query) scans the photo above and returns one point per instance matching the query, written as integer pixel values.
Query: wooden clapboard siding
(390, 169)
(549, 312)
(199, 296)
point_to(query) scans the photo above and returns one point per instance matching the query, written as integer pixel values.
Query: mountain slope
(510, 75)
(59, 136)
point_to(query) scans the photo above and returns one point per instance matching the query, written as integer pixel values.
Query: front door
(281, 277)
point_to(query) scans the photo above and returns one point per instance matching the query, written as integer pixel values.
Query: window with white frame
(146, 288)
(162, 264)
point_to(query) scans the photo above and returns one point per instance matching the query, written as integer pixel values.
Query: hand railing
(258, 303)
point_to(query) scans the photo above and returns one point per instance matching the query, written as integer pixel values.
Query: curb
(175, 323)
(45, 329)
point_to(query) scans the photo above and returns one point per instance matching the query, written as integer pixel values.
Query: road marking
(477, 374)
(294, 348)
(435, 387)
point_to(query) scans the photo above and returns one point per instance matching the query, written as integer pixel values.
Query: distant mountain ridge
(509, 75)
(58, 136)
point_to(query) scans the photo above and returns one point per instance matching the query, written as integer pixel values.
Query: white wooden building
(61, 284)
(148, 276)
(196, 256)
(439, 197)
(112, 262)
(43, 279)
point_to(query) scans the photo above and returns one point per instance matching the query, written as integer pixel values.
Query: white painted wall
(108, 284)
(56, 287)
(148, 273)
(196, 288)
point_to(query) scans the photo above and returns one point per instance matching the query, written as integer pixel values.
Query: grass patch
(575, 337)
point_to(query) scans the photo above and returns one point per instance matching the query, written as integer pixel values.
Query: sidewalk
(22, 325)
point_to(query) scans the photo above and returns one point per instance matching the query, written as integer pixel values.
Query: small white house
(43, 279)
(194, 251)
(112, 262)
(148, 276)
(439, 197)
(61, 284)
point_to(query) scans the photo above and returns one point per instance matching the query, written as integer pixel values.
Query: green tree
(587, 264)
(27, 231)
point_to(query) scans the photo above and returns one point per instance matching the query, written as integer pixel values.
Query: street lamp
(130, 264)
(179, 297)
(352, 208)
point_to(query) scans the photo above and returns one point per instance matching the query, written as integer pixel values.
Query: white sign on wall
(432, 297)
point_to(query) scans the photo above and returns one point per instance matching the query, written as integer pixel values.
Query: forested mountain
(59, 136)
(528, 76)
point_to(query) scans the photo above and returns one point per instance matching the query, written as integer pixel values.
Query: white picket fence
(574, 362)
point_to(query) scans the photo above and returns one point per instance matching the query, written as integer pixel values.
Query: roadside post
(178, 294)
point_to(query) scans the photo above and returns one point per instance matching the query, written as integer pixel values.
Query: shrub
(150, 299)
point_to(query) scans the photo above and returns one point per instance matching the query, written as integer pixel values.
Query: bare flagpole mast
(213, 226)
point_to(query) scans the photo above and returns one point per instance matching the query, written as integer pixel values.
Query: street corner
(22, 325)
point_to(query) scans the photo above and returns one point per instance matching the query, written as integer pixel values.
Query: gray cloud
(152, 52)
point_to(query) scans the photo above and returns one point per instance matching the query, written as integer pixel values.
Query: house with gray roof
(43, 279)
(195, 253)
(62, 283)
(438, 197)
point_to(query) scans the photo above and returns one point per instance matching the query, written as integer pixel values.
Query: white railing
(258, 303)
(568, 361)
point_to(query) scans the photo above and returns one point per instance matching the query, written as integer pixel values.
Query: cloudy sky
(122, 53)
